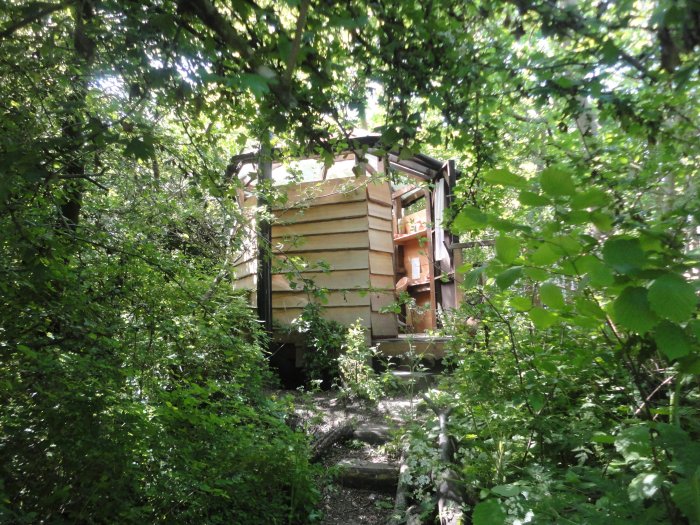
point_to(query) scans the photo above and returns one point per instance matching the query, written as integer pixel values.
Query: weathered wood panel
(337, 260)
(384, 325)
(334, 299)
(379, 210)
(340, 241)
(381, 241)
(414, 250)
(379, 192)
(381, 300)
(315, 213)
(246, 283)
(338, 280)
(245, 269)
(357, 224)
(346, 315)
(381, 263)
(385, 282)
(327, 192)
(380, 224)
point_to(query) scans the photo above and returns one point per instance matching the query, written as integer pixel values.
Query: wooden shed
(338, 235)
(345, 230)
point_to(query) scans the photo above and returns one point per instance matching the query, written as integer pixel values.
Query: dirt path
(343, 505)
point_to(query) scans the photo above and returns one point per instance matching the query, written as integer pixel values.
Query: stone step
(373, 434)
(361, 474)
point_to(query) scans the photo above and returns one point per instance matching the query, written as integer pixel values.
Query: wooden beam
(264, 295)
(410, 171)
(403, 191)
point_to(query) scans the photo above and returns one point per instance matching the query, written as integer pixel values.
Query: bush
(357, 377)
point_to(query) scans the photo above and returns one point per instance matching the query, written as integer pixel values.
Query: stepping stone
(360, 474)
(373, 434)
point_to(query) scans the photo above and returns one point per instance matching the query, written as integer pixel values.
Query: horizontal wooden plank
(357, 224)
(379, 210)
(246, 283)
(336, 260)
(245, 269)
(379, 192)
(381, 241)
(333, 299)
(346, 315)
(381, 263)
(339, 241)
(382, 299)
(385, 282)
(380, 224)
(384, 325)
(345, 210)
(324, 192)
(336, 280)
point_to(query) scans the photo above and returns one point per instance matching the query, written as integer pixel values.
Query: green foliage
(357, 377)
(325, 339)
(131, 378)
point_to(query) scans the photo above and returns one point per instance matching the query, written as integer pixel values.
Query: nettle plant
(597, 281)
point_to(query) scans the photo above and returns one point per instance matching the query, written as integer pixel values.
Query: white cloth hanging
(441, 253)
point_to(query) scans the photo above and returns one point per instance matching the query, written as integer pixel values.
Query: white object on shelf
(415, 268)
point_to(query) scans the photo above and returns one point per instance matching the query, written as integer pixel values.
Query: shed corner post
(264, 290)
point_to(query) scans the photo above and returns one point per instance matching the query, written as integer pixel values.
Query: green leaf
(527, 198)
(140, 148)
(671, 340)
(541, 318)
(552, 296)
(602, 437)
(644, 486)
(557, 182)
(545, 255)
(686, 495)
(521, 304)
(589, 308)
(469, 218)
(632, 310)
(489, 512)
(593, 198)
(507, 491)
(536, 274)
(598, 273)
(694, 328)
(506, 279)
(507, 248)
(624, 255)
(504, 177)
(672, 297)
(257, 84)
(602, 221)
(536, 401)
(473, 278)
(610, 52)
(634, 443)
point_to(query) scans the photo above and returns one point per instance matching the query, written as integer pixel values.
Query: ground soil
(319, 413)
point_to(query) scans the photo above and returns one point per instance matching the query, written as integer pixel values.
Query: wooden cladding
(346, 225)
(343, 225)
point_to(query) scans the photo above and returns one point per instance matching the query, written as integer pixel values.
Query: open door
(425, 265)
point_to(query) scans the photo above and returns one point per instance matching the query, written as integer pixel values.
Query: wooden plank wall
(246, 259)
(347, 227)
(381, 259)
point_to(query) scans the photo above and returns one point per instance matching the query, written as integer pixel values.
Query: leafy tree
(131, 376)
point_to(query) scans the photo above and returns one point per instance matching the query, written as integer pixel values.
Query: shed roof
(419, 165)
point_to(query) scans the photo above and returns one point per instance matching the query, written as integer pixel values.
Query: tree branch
(37, 10)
